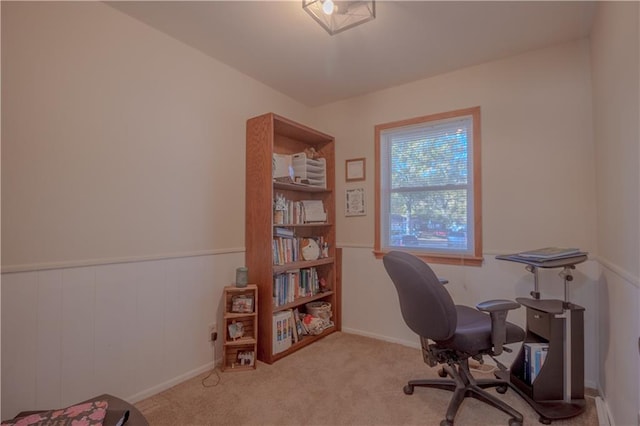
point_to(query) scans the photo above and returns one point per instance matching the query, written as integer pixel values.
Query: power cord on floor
(211, 373)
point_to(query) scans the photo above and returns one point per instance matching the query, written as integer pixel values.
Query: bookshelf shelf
(307, 340)
(267, 135)
(231, 315)
(300, 225)
(302, 301)
(299, 187)
(242, 341)
(303, 264)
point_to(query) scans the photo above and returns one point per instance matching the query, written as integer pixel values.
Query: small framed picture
(242, 304)
(236, 330)
(246, 358)
(354, 202)
(355, 169)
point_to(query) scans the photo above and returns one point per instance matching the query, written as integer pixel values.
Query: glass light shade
(346, 14)
(327, 7)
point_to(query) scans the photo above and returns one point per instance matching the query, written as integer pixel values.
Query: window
(428, 197)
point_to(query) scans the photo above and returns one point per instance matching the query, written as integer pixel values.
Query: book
(539, 356)
(298, 322)
(294, 330)
(550, 253)
(283, 232)
(526, 369)
(281, 331)
(314, 211)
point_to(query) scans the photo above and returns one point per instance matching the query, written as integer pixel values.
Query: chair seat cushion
(473, 332)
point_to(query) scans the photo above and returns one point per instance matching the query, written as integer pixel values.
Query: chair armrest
(497, 305)
(498, 310)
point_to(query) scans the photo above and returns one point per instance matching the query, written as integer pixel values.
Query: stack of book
(292, 285)
(535, 353)
(287, 212)
(285, 250)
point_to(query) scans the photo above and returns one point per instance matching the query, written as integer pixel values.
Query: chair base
(463, 384)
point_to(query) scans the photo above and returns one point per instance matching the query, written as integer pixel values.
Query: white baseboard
(411, 344)
(169, 383)
(604, 419)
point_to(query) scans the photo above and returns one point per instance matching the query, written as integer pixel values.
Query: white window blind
(426, 186)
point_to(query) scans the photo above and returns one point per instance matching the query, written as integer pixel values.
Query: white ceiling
(279, 44)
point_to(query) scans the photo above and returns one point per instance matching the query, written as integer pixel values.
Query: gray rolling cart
(557, 392)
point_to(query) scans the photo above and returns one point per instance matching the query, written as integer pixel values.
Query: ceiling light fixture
(327, 7)
(336, 16)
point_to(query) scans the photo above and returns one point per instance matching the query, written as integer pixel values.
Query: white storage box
(309, 171)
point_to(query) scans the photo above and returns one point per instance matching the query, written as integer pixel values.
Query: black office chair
(451, 334)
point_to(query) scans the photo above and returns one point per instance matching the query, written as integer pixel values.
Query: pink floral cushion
(85, 414)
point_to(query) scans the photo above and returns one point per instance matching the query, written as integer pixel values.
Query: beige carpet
(343, 379)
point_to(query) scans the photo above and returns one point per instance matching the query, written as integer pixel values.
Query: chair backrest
(426, 306)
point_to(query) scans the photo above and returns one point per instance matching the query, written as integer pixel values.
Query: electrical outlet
(213, 332)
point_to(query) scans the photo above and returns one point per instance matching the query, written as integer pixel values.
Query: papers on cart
(550, 253)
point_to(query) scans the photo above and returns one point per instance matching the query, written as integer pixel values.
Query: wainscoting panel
(619, 330)
(49, 330)
(116, 322)
(78, 335)
(150, 298)
(130, 329)
(19, 344)
(192, 296)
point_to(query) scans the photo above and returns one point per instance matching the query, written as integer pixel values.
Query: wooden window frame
(474, 259)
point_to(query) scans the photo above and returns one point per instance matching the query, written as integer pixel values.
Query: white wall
(119, 144)
(616, 92)
(537, 144)
(537, 183)
(116, 138)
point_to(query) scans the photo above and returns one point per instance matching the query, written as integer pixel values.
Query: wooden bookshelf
(268, 134)
(234, 346)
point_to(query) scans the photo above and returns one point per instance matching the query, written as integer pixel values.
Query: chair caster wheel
(544, 420)
(442, 372)
(408, 390)
(515, 422)
(501, 389)
(446, 422)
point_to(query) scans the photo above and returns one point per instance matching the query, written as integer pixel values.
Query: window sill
(441, 259)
